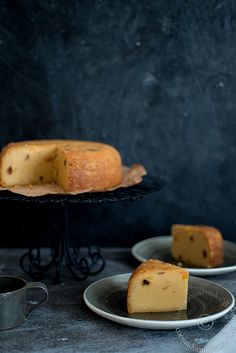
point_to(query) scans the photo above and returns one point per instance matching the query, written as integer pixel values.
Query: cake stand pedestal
(62, 250)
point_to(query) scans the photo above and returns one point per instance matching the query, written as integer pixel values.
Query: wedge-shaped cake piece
(201, 246)
(156, 286)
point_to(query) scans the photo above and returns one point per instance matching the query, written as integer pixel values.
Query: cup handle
(37, 285)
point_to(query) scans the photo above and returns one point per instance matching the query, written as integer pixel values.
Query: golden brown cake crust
(85, 171)
(90, 165)
(216, 246)
(155, 265)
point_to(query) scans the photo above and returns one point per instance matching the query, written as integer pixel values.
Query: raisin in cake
(74, 165)
(201, 246)
(156, 286)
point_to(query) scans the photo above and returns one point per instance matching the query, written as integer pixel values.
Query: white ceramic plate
(159, 248)
(207, 301)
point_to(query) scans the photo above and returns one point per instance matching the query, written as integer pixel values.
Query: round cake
(72, 164)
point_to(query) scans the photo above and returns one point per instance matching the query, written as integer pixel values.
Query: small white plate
(160, 248)
(207, 301)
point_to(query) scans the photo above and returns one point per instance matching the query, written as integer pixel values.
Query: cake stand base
(61, 252)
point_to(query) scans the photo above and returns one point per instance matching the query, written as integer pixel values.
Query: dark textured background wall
(157, 79)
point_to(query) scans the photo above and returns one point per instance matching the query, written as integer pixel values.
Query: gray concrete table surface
(65, 324)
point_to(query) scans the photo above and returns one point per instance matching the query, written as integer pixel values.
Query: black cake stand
(61, 250)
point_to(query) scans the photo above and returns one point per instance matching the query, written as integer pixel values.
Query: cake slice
(156, 286)
(200, 246)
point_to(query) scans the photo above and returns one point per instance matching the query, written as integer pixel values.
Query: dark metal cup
(14, 308)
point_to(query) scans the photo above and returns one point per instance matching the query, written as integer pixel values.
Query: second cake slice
(200, 246)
